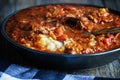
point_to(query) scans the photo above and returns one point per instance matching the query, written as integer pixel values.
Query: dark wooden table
(7, 7)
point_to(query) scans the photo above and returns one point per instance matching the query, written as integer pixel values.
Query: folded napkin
(10, 71)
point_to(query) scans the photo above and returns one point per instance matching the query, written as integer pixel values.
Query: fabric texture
(10, 71)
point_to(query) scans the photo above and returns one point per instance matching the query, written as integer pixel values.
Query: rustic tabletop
(7, 7)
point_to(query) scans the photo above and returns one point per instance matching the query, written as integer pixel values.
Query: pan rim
(49, 53)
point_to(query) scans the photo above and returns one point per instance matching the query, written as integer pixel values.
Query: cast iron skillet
(63, 61)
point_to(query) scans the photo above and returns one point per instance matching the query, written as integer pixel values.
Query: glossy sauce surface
(61, 29)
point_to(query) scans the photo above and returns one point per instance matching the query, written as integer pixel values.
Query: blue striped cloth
(10, 71)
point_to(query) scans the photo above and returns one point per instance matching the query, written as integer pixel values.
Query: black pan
(63, 61)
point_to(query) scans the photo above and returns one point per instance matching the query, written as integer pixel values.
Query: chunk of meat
(86, 24)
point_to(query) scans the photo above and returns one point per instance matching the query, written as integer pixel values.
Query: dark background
(10, 54)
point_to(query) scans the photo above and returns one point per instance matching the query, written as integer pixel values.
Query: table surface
(7, 7)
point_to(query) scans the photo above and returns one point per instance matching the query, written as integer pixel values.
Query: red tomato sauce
(60, 29)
